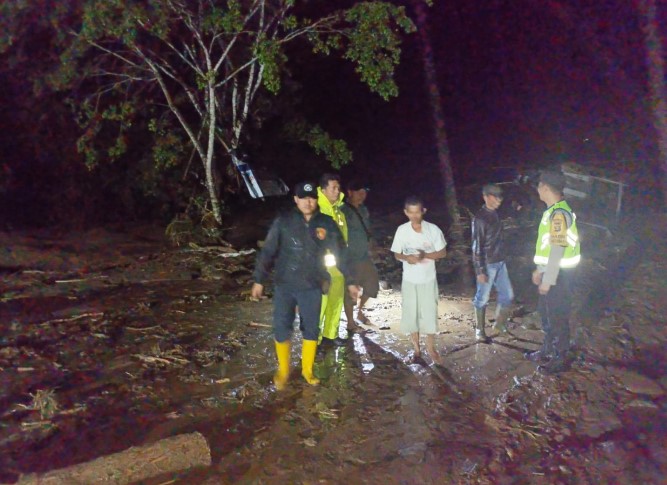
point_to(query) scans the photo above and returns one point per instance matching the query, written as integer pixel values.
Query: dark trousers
(285, 301)
(554, 308)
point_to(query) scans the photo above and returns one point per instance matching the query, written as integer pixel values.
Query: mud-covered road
(111, 339)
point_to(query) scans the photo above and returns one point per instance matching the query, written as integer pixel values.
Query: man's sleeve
(397, 243)
(367, 218)
(559, 223)
(439, 242)
(267, 255)
(340, 252)
(478, 255)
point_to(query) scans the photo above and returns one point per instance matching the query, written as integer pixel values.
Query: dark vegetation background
(522, 85)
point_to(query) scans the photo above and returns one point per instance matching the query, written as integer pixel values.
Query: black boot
(480, 322)
(545, 354)
(338, 342)
(502, 316)
(538, 356)
(559, 363)
(556, 366)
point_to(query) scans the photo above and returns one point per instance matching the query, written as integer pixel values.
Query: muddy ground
(112, 338)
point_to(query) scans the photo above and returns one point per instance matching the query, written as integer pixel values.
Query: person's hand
(326, 284)
(256, 291)
(482, 278)
(537, 277)
(412, 259)
(422, 254)
(353, 290)
(544, 288)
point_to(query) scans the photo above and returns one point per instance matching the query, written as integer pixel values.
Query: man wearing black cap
(557, 254)
(488, 257)
(358, 255)
(299, 247)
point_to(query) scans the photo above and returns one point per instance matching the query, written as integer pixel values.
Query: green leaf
(334, 150)
(374, 43)
(271, 56)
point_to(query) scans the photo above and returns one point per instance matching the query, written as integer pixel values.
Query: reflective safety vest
(554, 231)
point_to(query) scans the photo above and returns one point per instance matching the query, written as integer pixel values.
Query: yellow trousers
(332, 305)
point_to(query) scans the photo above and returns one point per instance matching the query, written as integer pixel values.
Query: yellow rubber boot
(307, 360)
(282, 374)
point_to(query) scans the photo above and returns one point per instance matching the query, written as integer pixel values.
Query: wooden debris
(142, 329)
(135, 464)
(73, 318)
(152, 360)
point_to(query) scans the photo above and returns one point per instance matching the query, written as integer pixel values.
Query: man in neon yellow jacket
(330, 200)
(557, 254)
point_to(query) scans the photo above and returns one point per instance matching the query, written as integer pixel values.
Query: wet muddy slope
(113, 339)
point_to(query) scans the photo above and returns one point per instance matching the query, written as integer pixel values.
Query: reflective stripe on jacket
(572, 254)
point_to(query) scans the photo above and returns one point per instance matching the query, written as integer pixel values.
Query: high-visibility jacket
(554, 231)
(334, 211)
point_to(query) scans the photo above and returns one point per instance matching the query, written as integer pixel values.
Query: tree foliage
(177, 79)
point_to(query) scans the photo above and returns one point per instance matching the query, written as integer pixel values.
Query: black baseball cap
(357, 184)
(305, 189)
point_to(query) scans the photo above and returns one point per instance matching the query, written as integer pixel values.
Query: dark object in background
(259, 183)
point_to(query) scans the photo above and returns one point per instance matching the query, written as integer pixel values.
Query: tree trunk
(210, 156)
(656, 80)
(444, 158)
(165, 457)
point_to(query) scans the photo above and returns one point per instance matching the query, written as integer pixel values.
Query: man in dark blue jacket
(299, 247)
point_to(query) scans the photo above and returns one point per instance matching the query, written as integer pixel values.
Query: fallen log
(170, 455)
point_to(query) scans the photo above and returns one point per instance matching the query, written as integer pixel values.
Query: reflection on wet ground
(128, 363)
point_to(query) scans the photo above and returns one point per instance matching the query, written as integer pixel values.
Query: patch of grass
(45, 403)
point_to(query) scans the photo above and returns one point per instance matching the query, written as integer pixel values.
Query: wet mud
(122, 341)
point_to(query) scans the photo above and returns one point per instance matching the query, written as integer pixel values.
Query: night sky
(523, 83)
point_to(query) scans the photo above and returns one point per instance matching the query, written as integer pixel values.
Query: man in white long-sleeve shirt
(418, 244)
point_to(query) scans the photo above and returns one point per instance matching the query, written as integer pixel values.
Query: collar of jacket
(324, 202)
(297, 213)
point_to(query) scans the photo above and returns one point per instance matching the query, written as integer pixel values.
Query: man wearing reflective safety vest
(557, 254)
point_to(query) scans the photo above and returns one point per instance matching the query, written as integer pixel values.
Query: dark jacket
(295, 249)
(487, 240)
(358, 235)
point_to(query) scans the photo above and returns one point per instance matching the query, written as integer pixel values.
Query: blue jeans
(498, 278)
